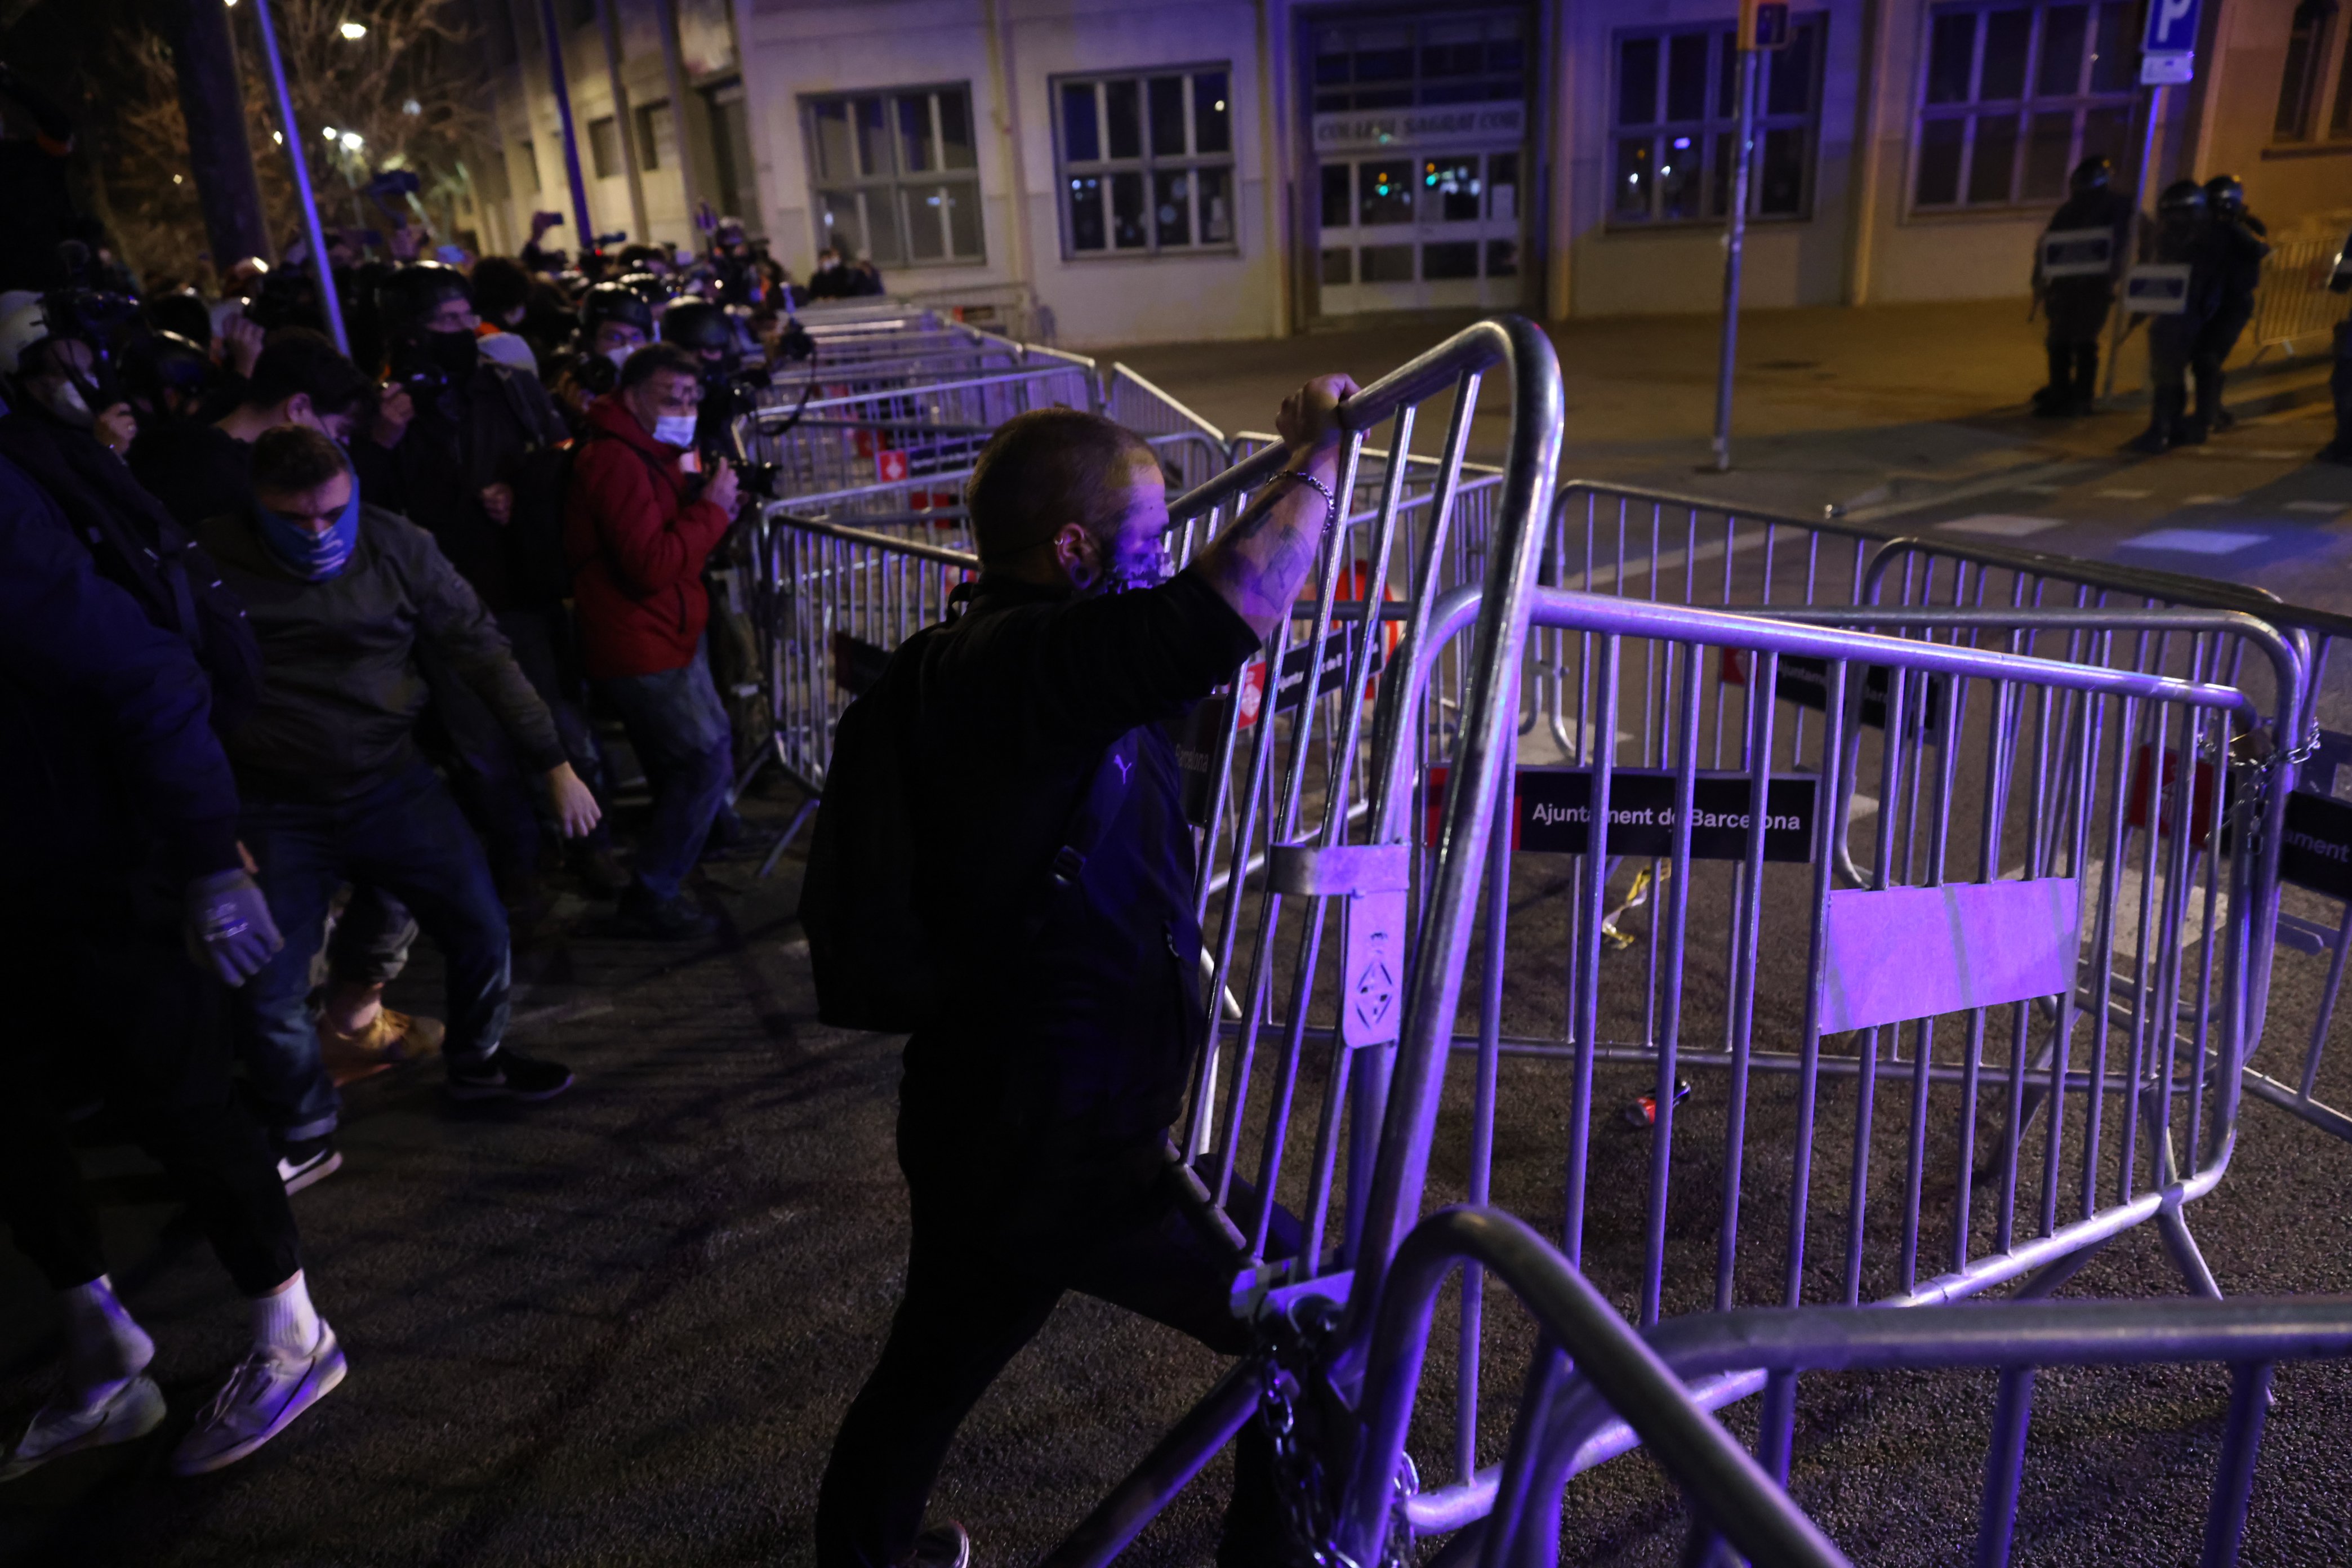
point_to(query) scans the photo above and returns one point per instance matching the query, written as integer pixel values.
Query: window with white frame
(895, 176)
(1677, 123)
(2013, 97)
(1146, 162)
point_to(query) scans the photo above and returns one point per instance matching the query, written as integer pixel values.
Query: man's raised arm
(1258, 563)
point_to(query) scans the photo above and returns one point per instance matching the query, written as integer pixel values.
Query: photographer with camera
(615, 323)
(453, 438)
(638, 526)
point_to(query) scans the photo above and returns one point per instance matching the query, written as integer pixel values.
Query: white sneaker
(134, 1410)
(261, 1398)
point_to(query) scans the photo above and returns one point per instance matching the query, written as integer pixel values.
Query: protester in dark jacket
(342, 597)
(1033, 1113)
(639, 529)
(118, 861)
(453, 448)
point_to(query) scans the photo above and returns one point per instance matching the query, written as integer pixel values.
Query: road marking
(1999, 525)
(1605, 573)
(2330, 507)
(2269, 456)
(2127, 495)
(2042, 490)
(2192, 541)
(2209, 500)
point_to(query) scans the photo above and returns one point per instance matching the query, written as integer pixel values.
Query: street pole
(585, 230)
(1734, 238)
(319, 263)
(623, 118)
(2140, 199)
(674, 80)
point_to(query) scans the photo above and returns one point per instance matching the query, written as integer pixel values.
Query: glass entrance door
(1418, 231)
(1420, 144)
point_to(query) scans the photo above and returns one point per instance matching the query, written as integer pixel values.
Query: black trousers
(109, 1000)
(977, 1289)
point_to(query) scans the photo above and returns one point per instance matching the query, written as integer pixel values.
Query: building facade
(1138, 170)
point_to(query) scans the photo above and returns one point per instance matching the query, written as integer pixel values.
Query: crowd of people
(2200, 262)
(303, 653)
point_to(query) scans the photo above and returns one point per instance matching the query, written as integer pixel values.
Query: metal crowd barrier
(2023, 774)
(1691, 550)
(1638, 1384)
(2291, 303)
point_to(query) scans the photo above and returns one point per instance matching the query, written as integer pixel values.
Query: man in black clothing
(341, 596)
(2077, 302)
(454, 441)
(201, 470)
(1032, 1118)
(2241, 242)
(118, 861)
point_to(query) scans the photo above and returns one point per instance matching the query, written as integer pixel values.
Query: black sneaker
(665, 920)
(310, 1160)
(507, 1074)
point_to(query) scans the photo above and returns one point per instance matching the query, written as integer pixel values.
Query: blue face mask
(314, 557)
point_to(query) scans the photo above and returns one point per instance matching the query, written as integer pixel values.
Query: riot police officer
(2077, 302)
(2240, 242)
(2182, 237)
(2339, 381)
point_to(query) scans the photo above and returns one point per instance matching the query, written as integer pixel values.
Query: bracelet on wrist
(1330, 500)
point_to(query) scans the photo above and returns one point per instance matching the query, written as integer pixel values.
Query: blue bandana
(314, 557)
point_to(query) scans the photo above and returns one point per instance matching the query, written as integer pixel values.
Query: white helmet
(22, 325)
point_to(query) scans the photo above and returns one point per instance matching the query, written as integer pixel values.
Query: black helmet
(163, 363)
(697, 324)
(2182, 198)
(2226, 193)
(408, 296)
(2093, 174)
(649, 287)
(612, 302)
(183, 312)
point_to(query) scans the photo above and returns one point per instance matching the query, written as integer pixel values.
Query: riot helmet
(613, 321)
(167, 376)
(2093, 174)
(700, 326)
(2226, 195)
(2182, 199)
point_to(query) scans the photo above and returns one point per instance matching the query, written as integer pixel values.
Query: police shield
(2078, 253)
(2157, 288)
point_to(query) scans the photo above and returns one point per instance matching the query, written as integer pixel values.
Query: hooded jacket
(636, 544)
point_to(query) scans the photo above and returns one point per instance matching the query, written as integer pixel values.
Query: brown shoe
(390, 1039)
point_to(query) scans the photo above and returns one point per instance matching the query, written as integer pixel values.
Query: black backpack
(874, 967)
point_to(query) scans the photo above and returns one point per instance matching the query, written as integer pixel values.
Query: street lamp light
(352, 141)
(354, 31)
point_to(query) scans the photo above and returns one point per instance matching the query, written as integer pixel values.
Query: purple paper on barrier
(1912, 952)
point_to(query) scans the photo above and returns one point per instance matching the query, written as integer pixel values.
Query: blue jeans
(679, 731)
(406, 837)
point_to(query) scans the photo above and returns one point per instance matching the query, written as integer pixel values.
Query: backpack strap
(1096, 810)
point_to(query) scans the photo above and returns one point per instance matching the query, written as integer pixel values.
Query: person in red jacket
(637, 528)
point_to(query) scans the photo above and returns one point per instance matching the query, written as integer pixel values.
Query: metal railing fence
(2293, 305)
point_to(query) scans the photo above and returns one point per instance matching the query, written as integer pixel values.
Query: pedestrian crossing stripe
(1999, 525)
(2192, 541)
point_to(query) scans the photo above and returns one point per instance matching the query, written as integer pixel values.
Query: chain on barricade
(2258, 774)
(1311, 1458)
